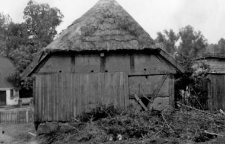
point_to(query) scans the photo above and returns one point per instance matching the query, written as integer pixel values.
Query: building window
(11, 94)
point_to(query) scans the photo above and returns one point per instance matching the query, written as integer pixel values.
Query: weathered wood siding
(69, 83)
(59, 97)
(150, 85)
(138, 62)
(216, 92)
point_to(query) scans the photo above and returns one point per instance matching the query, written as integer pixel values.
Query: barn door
(2, 98)
(153, 90)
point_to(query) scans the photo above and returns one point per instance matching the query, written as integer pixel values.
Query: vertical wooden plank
(222, 92)
(102, 86)
(79, 103)
(51, 98)
(68, 96)
(76, 84)
(107, 88)
(36, 99)
(58, 97)
(86, 92)
(39, 113)
(102, 63)
(73, 96)
(126, 92)
(42, 99)
(82, 93)
(93, 90)
(209, 90)
(115, 97)
(64, 97)
(212, 91)
(61, 109)
(45, 93)
(63, 112)
(47, 97)
(112, 82)
(171, 90)
(217, 91)
(55, 91)
(99, 87)
(121, 90)
(220, 101)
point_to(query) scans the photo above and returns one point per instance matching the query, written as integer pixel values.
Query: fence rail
(25, 115)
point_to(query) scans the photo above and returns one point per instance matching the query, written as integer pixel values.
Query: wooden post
(27, 116)
(140, 102)
(20, 102)
(210, 94)
(172, 93)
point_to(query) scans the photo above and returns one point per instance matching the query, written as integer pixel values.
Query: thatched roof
(7, 68)
(106, 26)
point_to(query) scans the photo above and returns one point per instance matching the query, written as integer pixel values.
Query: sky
(207, 16)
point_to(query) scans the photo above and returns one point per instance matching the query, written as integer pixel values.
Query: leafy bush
(99, 112)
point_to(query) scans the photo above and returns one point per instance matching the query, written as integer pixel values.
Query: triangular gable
(106, 26)
(44, 57)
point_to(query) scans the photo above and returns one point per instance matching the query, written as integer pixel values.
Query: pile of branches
(107, 124)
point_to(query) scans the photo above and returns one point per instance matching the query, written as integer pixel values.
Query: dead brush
(109, 123)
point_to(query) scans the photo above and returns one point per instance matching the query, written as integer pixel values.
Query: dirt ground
(17, 134)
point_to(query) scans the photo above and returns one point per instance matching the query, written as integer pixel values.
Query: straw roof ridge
(106, 26)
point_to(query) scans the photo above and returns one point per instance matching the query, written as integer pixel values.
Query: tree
(221, 45)
(41, 21)
(192, 43)
(5, 20)
(17, 36)
(168, 39)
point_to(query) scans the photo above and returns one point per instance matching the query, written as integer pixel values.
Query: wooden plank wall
(59, 97)
(216, 92)
(17, 116)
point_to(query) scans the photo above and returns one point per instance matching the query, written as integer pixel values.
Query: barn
(106, 57)
(9, 95)
(216, 80)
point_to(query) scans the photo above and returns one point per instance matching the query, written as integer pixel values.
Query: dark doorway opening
(2, 98)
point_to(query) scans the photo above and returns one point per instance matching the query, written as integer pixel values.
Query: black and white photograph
(112, 71)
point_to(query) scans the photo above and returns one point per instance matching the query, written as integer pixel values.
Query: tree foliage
(192, 43)
(5, 20)
(41, 21)
(168, 39)
(217, 49)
